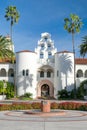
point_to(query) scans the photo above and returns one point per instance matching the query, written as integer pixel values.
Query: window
(42, 46)
(23, 72)
(49, 55)
(11, 73)
(3, 72)
(45, 38)
(79, 73)
(86, 74)
(57, 73)
(49, 46)
(41, 55)
(41, 74)
(48, 74)
(27, 72)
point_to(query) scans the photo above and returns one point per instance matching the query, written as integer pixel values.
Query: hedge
(37, 105)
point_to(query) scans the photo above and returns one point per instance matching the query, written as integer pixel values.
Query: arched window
(27, 72)
(41, 55)
(49, 46)
(45, 38)
(86, 74)
(42, 46)
(49, 55)
(48, 74)
(79, 74)
(3, 72)
(41, 74)
(23, 72)
(11, 73)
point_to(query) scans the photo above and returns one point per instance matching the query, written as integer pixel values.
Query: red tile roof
(77, 60)
(25, 51)
(65, 51)
(6, 60)
(81, 61)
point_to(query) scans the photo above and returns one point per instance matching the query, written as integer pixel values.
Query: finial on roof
(45, 35)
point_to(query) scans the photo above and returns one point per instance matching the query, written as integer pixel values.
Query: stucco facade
(44, 71)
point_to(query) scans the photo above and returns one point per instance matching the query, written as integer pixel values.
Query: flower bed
(37, 105)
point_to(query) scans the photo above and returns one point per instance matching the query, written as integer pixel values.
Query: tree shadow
(67, 63)
(66, 70)
(23, 82)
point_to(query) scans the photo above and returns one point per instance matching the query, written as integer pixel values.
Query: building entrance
(44, 90)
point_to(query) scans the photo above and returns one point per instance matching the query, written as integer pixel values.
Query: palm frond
(5, 52)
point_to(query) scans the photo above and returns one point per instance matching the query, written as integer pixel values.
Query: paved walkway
(58, 120)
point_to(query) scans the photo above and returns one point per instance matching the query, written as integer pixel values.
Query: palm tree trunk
(11, 30)
(73, 43)
(74, 65)
(13, 61)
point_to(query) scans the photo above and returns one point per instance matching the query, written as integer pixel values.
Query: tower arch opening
(45, 88)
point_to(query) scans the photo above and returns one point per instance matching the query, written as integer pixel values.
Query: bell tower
(45, 49)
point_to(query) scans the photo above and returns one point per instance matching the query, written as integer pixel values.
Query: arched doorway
(44, 90)
(47, 86)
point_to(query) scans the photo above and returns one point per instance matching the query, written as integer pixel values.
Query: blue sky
(38, 16)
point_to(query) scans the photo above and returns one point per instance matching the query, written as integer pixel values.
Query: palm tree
(83, 47)
(5, 52)
(13, 15)
(73, 25)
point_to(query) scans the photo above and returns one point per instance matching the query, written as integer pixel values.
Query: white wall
(26, 61)
(64, 64)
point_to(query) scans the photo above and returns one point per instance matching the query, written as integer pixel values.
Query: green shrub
(83, 108)
(4, 107)
(21, 106)
(54, 105)
(63, 94)
(26, 96)
(81, 92)
(36, 105)
(9, 90)
(2, 89)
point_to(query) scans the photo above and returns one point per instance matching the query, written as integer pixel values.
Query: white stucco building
(44, 71)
